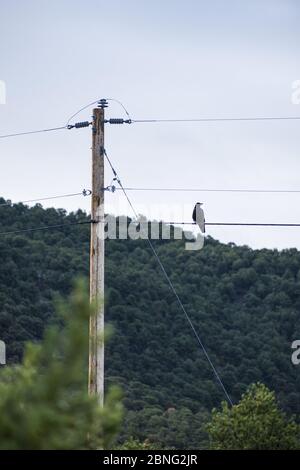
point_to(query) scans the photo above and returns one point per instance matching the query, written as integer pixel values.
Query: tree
(256, 422)
(134, 444)
(247, 319)
(44, 402)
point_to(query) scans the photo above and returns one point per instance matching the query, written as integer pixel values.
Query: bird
(198, 216)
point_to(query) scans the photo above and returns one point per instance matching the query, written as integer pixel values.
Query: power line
(237, 224)
(67, 125)
(95, 102)
(85, 192)
(46, 227)
(221, 190)
(33, 132)
(132, 121)
(173, 288)
(241, 224)
(225, 119)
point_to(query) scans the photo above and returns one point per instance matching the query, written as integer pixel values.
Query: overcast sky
(162, 59)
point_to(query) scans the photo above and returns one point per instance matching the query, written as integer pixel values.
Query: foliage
(167, 429)
(44, 402)
(134, 444)
(244, 304)
(254, 423)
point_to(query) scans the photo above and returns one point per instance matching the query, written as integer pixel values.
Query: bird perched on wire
(198, 216)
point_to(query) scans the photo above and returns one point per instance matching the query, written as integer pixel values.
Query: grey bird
(198, 216)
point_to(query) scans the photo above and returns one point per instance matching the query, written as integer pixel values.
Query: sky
(170, 59)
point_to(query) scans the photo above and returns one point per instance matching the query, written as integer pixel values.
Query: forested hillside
(244, 303)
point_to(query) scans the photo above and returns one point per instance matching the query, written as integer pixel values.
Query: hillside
(244, 303)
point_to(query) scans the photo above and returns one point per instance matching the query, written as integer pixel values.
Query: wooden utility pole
(96, 346)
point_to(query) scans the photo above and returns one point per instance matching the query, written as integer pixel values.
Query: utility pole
(96, 338)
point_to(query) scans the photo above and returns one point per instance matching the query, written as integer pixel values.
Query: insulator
(103, 103)
(116, 121)
(82, 124)
(119, 121)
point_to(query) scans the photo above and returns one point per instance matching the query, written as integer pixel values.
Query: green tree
(256, 422)
(44, 402)
(243, 302)
(134, 444)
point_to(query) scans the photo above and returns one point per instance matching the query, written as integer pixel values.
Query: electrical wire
(33, 132)
(247, 224)
(85, 192)
(172, 287)
(67, 125)
(95, 102)
(213, 190)
(237, 224)
(225, 119)
(46, 227)
(231, 119)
